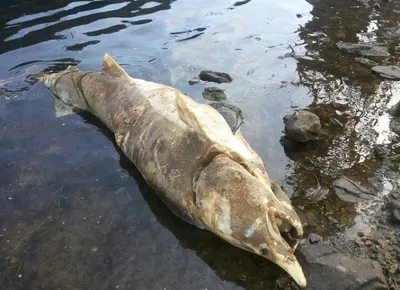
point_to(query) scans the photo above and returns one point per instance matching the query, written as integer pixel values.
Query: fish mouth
(284, 228)
(286, 233)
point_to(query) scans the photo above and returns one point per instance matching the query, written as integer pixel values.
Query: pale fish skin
(187, 153)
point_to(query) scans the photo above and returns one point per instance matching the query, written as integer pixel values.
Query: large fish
(202, 169)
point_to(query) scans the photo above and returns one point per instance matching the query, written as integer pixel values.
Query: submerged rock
(214, 94)
(348, 191)
(216, 77)
(395, 126)
(395, 110)
(194, 81)
(365, 61)
(380, 151)
(302, 126)
(325, 268)
(363, 49)
(395, 210)
(232, 114)
(388, 71)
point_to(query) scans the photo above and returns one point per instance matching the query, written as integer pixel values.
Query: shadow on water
(72, 216)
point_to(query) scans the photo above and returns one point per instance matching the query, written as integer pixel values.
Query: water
(75, 214)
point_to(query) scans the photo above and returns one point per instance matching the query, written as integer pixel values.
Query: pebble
(314, 238)
(360, 243)
(368, 243)
(194, 81)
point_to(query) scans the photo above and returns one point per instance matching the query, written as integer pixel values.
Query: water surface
(75, 214)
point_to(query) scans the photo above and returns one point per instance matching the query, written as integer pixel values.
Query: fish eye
(264, 251)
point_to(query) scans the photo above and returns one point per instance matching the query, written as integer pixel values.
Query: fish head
(65, 86)
(244, 211)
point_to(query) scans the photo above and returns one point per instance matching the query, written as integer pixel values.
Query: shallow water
(75, 214)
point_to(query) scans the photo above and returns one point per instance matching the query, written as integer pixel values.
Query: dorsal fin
(72, 68)
(212, 125)
(112, 68)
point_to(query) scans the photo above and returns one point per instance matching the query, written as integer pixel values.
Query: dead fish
(186, 151)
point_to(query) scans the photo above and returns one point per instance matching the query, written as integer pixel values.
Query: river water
(75, 214)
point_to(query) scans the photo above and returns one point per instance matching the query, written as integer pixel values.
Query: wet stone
(326, 266)
(391, 72)
(395, 110)
(380, 151)
(359, 243)
(231, 113)
(302, 126)
(216, 77)
(349, 191)
(365, 61)
(194, 81)
(214, 94)
(395, 211)
(363, 49)
(314, 238)
(395, 125)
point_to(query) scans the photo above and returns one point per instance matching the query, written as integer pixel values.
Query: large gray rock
(391, 72)
(327, 269)
(302, 126)
(348, 191)
(363, 49)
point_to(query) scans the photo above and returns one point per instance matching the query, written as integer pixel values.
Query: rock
(395, 110)
(232, 114)
(336, 122)
(360, 243)
(348, 191)
(363, 49)
(216, 77)
(368, 243)
(214, 94)
(328, 269)
(194, 81)
(395, 125)
(380, 151)
(395, 210)
(302, 126)
(391, 72)
(314, 238)
(366, 61)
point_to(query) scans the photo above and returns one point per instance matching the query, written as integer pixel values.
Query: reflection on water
(74, 213)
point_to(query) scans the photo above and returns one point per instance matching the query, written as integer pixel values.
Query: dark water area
(76, 214)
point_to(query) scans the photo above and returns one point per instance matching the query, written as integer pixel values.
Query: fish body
(205, 173)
